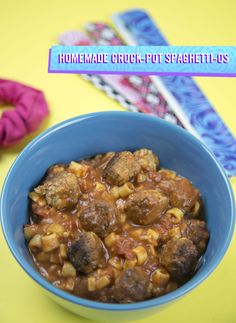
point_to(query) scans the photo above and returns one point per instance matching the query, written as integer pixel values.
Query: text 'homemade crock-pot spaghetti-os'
(116, 228)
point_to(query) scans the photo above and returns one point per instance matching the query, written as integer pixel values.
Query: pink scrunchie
(30, 109)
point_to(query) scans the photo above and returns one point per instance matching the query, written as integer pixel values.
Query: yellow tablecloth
(27, 30)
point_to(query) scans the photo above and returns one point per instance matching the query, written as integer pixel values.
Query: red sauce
(116, 227)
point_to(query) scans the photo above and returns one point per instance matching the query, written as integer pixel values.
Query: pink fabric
(30, 109)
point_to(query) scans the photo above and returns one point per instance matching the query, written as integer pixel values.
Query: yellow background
(27, 30)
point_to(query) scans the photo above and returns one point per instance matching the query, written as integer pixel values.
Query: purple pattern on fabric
(200, 113)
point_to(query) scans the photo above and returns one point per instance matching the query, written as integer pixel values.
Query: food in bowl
(116, 228)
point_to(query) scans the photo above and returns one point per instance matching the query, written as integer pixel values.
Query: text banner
(151, 60)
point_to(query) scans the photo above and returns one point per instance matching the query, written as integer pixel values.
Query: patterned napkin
(141, 90)
(105, 84)
(182, 93)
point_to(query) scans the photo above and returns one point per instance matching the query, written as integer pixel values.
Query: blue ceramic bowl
(91, 134)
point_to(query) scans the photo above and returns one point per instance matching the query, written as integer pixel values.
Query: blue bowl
(91, 134)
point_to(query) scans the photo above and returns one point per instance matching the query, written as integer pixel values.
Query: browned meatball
(147, 159)
(144, 207)
(99, 217)
(179, 257)
(86, 253)
(61, 191)
(196, 231)
(132, 286)
(121, 168)
(165, 181)
(184, 195)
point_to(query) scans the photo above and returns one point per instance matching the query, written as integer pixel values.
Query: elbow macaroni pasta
(175, 214)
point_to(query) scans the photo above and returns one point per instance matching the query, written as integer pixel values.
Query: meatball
(179, 257)
(86, 253)
(166, 185)
(147, 159)
(184, 194)
(99, 217)
(144, 207)
(197, 232)
(61, 191)
(121, 168)
(132, 286)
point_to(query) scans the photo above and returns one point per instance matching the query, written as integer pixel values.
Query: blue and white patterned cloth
(137, 28)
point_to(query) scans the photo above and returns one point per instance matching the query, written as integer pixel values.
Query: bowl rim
(191, 284)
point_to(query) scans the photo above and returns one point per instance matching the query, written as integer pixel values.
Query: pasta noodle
(175, 214)
(50, 242)
(141, 254)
